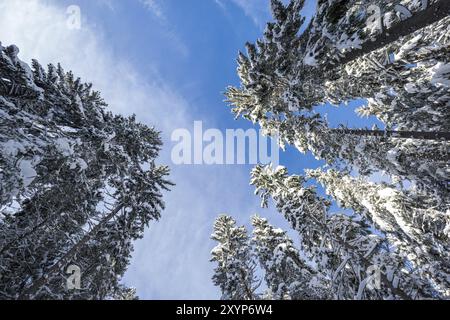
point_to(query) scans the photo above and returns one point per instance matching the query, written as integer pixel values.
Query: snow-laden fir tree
(416, 90)
(398, 158)
(277, 78)
(420, 233)
(407, 90)
(286, 274)
(78, 184)
(343, 30)
(344, 248)
(125, 293)
(403, 74)
(278, 73)
(235, 271)
(278, 91)
(340, 256)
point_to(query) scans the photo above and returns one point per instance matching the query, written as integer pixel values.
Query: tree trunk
(29, 292)
(430, 15)
(445, 136)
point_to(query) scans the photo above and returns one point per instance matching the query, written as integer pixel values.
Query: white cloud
(220, 4)
(257, 10)
(109, 4)
(40, 31)
(154, 7)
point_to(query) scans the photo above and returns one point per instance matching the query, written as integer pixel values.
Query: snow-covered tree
(78, 184)
(286, 274)
(125, 293)
(283, 72)
(401, 69)
(344, 30)
(415, 94)
(399, 158)
(236, 265)
(279, 90)
(343, 247)
(420, 232)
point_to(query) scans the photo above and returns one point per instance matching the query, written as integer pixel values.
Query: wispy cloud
(109, 4)
(220, 4)
(257, 10)
(154, 7)
(45, 35)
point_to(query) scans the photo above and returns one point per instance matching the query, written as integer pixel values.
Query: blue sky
(167, 61)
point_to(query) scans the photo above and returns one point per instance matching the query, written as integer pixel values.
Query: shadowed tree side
(77, 185)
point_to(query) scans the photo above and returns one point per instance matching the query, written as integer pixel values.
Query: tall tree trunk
(248, 291)
(445, 136)
(29, 292)
(419, 20)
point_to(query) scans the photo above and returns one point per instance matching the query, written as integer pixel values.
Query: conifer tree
(401, 229)
(278, 78)
(345, 30)
(401, 160)
(88, 187)
(282, 73)
(343, 247)
(287, 276)
(235, 271)
(280, 97)
(420, 233)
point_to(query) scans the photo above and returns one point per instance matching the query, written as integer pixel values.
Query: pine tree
(343, 247)
(403, 75)
(420, 233)
(17, 79)
(345, 30)
(280, 96)
(287, 276)
(401, 160)
(282, 72)
(235, 271)
(279, 79)
(94, 185)
(124, 293)
(407, 91)
(415, 96)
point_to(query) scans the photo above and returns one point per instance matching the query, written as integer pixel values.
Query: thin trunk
(422, 19)
(421, 135)
(69, 255)
(249, 292)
